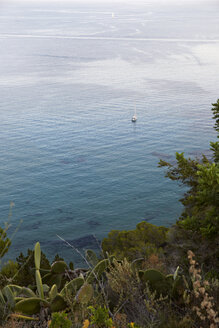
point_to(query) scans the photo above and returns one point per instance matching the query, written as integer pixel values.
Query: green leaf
(37, 255)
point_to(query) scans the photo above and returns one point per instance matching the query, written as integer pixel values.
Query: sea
(73, 166)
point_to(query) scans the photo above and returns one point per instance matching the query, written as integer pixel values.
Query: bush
(59, 320)
(145, 240)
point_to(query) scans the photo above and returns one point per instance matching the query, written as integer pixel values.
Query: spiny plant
(26, 301)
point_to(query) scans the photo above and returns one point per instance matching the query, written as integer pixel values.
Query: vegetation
(201, 202)
(147, 239)
(4, 242)
(147, 277)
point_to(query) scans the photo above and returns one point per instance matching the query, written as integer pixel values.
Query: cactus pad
(53, 292)
(59, 267)
(37, 255)
(73, 286)
(85, 294)
(98, 270)
(91, 257)
(153, 276)
(30, 305)
(39, 284)
(58, 304)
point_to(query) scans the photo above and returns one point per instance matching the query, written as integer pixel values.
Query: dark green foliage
(152, 276)
(27, 302)
(215, 145)
(3, 281)
(145, 240)
(50, 279)
(8, 271)
(201, 201)
(57, 258)
(198, 226)
(4, 242)
(201, 212)
(91, 257)
(71, 265)
(72, 287)
(215, 150)
(170, 284)
(5, 307)
(100, 317)
(60, 320)
(215, 110)
(26, 267)
(59, 267)
(30, 305)
(58, 303)
(56, 275)
(97, 271)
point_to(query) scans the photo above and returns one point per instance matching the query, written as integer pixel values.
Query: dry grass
(204, 306)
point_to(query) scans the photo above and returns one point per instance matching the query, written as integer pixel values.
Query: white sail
(134, 117)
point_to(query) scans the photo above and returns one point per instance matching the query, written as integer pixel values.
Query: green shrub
(60, 320)
(9, 269)
(100, 317)
(145, 240)
(26, 267)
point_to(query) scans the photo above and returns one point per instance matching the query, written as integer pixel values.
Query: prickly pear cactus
(24, 291)
(72, 287)
(53, 278)
(8, 294)
(85, 294)
(53, 292)
(39, 284)
(37, 255)
(157, 281)
(37, 258)
(58, 304)
(97, 271)
(91, 257)
(152, 276)
(30, 305)
(59, 267)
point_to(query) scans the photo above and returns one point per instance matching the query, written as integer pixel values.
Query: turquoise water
(72, 161)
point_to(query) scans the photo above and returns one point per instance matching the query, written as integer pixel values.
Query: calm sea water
(71, 74)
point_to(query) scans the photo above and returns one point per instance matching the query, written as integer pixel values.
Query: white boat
(134, 117)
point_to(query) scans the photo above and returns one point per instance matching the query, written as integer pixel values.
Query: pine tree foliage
(201, 176)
